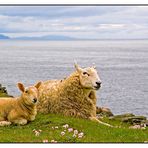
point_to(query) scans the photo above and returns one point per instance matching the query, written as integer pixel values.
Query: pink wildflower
(135, 127)
(70, 129)
(45, 141)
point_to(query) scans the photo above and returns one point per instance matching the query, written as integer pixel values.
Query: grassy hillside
(3, 91)
(52, 126)
(3, 95)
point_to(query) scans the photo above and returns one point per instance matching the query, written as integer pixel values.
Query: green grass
(93, 132)
(3, 95)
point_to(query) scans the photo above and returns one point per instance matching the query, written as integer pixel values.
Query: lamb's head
(29, 94)
(89, 77)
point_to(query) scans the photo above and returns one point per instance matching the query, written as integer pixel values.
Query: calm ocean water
(122, 66)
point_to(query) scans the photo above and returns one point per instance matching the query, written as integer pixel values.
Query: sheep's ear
(94, 67)
(38, 85)
(77, 67)
(21, 87)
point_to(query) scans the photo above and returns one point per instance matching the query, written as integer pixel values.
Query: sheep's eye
(85, 73)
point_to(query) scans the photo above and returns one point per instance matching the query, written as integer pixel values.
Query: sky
(89, 22)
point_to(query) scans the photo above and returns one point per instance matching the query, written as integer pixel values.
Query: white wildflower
(74, 135)
(62, 133)
(75, 132)
(80, 135)
(52, 127)
(34, 130)
(66, 126)
(37, 133)
(53, 141)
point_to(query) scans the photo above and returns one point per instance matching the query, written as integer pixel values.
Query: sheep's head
(89, 77)
(29, 94)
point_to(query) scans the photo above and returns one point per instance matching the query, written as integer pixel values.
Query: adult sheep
(74, 96)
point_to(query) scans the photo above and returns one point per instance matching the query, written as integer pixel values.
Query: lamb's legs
(20, 121)
(16, 119)
(97, 120)
(4, 123)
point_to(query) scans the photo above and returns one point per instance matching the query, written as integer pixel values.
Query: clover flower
(74, 135)
(53, 141)
(62, 133)
(45, 141)
(70, 129)
(66, 126)
(80, 135)
(75, 132)
(37, 132)
(135, 127)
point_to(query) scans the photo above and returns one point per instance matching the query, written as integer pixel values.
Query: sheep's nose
(35, 100)
(98, 83)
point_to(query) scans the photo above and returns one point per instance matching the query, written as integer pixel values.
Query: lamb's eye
(26, 91)
(85, 73)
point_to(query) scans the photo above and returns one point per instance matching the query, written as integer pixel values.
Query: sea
(122, 66)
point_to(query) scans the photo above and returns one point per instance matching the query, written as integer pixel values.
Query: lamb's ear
(21, 87)
(78, 68)
(38, 85)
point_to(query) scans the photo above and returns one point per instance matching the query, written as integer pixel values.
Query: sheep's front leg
(4, 123)
(97, 120)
